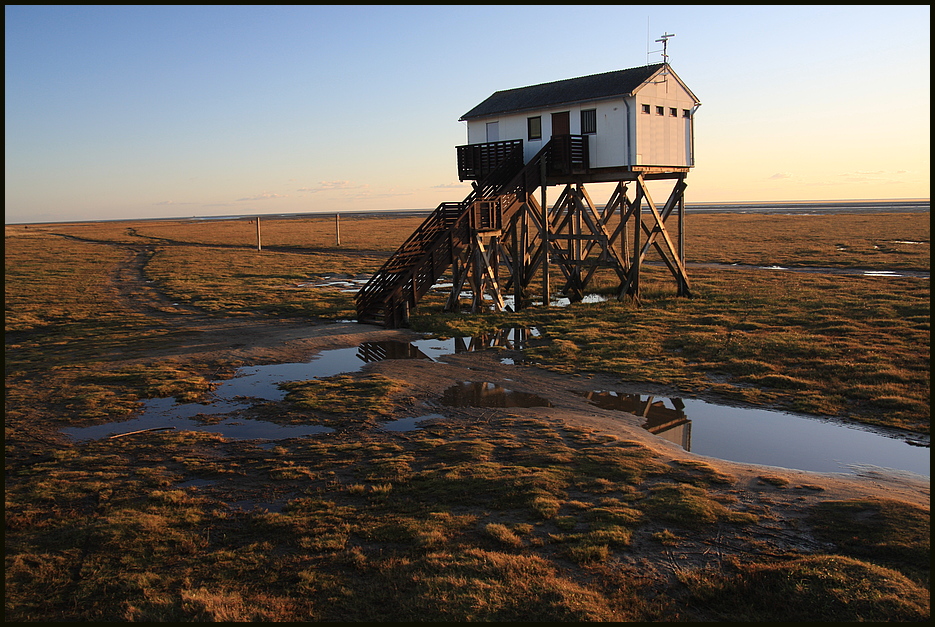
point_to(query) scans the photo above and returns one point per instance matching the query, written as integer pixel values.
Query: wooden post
(337, 229)
(637, 232)
(545, 237)
(259, 245)
(683, 288)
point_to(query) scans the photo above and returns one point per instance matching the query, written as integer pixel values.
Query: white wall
(607, 146)
(663, 139)
(660, 140)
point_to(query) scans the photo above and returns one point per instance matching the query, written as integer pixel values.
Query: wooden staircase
(398, 285)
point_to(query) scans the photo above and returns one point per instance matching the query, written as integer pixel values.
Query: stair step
(412, 262)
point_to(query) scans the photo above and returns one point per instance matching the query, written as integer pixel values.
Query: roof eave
(673, 74)
(566, 103)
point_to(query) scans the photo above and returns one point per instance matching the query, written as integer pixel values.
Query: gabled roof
(584, 88)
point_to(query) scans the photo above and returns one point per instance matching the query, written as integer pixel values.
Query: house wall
(663, 139)
(607, 146)
(658, 140)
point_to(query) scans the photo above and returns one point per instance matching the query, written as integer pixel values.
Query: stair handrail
(509, 176)
(436, 223)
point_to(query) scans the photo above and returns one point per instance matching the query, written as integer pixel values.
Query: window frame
(529, 124)
(647, 110)
(592, 118)
(673, 112)
(660, 110)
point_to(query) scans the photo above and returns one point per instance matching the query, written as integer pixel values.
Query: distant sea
(822, 207)
(794, 207)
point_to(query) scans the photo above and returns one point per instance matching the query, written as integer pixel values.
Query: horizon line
(426, 210)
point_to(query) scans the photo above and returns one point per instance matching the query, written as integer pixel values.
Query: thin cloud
(263, 196)
(873, 176)
(328, 186)
(456, 185)
(369, 194)
(779, 176)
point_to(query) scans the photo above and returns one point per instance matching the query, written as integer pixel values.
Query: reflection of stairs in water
(391, 349)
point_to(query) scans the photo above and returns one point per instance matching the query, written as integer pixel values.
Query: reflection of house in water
(670, 424)
(513, 338)
(479, 394)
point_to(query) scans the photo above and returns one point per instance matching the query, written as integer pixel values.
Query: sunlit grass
(512, 518)
(337, 549)
(233, 281)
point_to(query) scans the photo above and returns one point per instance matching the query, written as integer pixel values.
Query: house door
(560, 123)
(493, 131)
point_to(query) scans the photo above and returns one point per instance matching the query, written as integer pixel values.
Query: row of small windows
(589, 120)
(588, 124)
(673, 112)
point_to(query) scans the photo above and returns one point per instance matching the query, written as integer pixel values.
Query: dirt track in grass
(270, 340)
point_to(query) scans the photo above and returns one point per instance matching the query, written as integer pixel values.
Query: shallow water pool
(770, 438)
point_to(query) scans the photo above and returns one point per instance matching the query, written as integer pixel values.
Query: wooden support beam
(486, 273)
(544, 233)
(573, 235)
(670, 255)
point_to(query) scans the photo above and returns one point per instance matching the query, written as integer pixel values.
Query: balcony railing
(568, 154)
(475, 161)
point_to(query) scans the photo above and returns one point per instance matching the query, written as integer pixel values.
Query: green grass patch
(344, 394)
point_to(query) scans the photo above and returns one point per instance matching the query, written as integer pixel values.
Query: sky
(131, 112)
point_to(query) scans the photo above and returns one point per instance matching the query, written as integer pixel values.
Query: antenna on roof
(647, 40)
(664, 40)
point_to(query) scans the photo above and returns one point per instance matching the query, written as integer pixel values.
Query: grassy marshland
(512, 518)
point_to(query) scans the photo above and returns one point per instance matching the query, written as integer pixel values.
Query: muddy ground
(270, 340)
(200, 338)
(257, 342)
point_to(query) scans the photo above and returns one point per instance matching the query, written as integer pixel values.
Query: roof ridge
(576, 89)
(561, 80)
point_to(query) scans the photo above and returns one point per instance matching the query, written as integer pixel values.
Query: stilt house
(630, 118)
(623, 127)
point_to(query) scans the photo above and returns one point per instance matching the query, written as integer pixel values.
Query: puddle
(471, 394)
(409, 424)
(255, 384)
(744, 435)
(163, 412)
(767, 437)
(509, 300)
(915, 274)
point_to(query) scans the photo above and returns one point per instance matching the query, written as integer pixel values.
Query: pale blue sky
(140, 111)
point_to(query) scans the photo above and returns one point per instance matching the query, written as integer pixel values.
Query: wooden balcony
(476, 161)
(567, 155)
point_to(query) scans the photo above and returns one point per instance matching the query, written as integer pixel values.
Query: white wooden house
(638, 119)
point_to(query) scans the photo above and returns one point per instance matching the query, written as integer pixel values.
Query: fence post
(259, 245)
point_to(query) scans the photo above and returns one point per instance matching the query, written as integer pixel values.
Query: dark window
(645, 108)
(535, 127)
(589, 121)
(686, 113)
(673, 112)
(660, 110)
